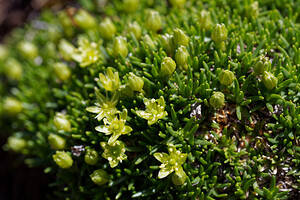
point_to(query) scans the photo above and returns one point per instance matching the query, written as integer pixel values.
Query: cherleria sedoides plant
(177, 99)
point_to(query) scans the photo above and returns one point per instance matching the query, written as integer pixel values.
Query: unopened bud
(168, 43)
(28, 49)
(205, 20)
(120, 47)
(219, 33)
(56, 142)
(13, 69)
(63, 159)
(153, 21)
(16, 144)
(168, 67)
(84, 20)
(130, 6)
(62, 123)
(136, 83)
(66, 49)
(62, 71)
(177, 3)
(99, 177)
(136, 29)
(226, 77)
(107, 29)
(91, 157)
(12, 106)
(217, 100)
(261, 65)
(181, 56)
(269, 80)
(180, 38)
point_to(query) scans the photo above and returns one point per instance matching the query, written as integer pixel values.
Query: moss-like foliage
(158, 99)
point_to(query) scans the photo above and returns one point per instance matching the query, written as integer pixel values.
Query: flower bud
(205, 20)
(13, 69)
(3, 53)
(99, 177)
(84, 20)
(56, 142)
(12, 106)
(148, 41)
(217, 100)
(119, 47)
(247, 59)
(153, 21)
(269, 80)
(62, 123)
(179, 179)
(253, 9)
(28, 49)
(167, 67)
(66, 49)
(107, 29)
(226, 77)
(136, 83)
(181, 56)
(219, 33)
(111, 80)
(63, 159)
(66, 23)
(168, 43)
(91, 157)
(180, 38)
(261, 65)
(16, 144)
(62, 71)
(136, 29)
(130, 6)
(177, 3)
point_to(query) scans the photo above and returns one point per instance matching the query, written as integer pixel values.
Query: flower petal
(113, 138)
(126, 129)
(94, 109)
(164, 172)
(102, 129)
(161, 157)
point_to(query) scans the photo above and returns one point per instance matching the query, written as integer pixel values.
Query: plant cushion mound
(158, 99)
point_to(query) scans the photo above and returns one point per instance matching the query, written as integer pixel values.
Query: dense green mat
(178, 99)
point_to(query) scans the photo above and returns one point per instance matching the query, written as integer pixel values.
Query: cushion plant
(180, 99)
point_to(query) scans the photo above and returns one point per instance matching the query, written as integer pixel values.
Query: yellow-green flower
(172, 163)
(105, 107)
(115, 127)
(114, 152)
(155, 110)
(87, 53)
(110, 81)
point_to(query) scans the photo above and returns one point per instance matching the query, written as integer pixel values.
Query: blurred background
(17, 181)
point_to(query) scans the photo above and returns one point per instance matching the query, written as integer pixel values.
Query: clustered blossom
(105, 107)
(115, 127)
(172, 163)
(155, 110)
(114, 152)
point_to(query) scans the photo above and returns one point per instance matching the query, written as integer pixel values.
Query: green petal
(143, 114)
(100, 97)
(161, 157)
(182, 158)
(113, 138)
(102, 129)
(127, 129)
(113, 163)
(123, 114)
(100, 116)
(164, 172)
(94, 109)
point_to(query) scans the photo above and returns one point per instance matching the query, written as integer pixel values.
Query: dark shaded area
(17, 181)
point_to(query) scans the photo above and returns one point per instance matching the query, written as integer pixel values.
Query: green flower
(172, 163)
(119, 47)
(105, 107)
(155, 110)
(219, 33)
(63, 159)
(181, 57)
(110, 81)
(167, 67)
(205, 20)
(136, 29)
(168, 43)
(115, 127)
(114, 152)
(136, 83)
(262, 64)
(87, 53)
